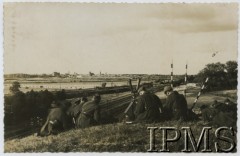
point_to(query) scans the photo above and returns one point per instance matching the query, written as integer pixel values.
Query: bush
(61, 95)
(221, 76)
(21, 107)
(15, 87)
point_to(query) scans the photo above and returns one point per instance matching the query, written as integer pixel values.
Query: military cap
(76, 100)
(97, 96)
(84, 99)
(167, 88)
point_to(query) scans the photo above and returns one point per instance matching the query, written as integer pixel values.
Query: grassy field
(119, 136)
(107, 138)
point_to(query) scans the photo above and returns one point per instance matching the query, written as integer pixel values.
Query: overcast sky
(117, 38)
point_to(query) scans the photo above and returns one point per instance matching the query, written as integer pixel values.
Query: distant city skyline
(118, 38)
(88, 74)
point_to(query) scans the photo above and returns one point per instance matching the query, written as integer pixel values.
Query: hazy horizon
(117, 38)
(97, 73)
(94, 73)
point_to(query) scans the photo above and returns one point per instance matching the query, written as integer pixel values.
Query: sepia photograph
(120, 77)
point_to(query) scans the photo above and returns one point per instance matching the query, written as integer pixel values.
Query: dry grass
(232, 94)
(107, 138)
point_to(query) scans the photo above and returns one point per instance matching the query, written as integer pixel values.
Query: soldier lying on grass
(220, 114)
(57, 119)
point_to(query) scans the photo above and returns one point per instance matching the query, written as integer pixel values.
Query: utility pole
(186, 81)
(172, 74)
(186, 74)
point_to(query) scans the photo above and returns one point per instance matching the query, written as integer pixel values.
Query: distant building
(91, 74)
(79, 76)
(56, 74)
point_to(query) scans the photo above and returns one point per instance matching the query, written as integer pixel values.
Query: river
(27, 86)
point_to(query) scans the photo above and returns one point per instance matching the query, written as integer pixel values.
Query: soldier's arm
(97, 115)
(167, 104)
(185, 102)
(65, 121)
(139, 107)
(159, 102)
(44, 126)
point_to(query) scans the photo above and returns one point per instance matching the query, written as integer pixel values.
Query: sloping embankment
(108, 138)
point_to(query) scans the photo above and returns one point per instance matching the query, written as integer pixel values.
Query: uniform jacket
(147, 108)
(89, 115)
(176, 106)
(75, 110)
(57, 120)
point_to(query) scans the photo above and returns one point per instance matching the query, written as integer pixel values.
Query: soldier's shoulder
(172, 96)
(143, 96)
(88, 102)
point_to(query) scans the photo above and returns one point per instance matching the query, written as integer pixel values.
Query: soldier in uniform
(76, 109)
(220, 114)
(74, 104)
(57, 119)
(208, 113)
(227, 115)
(148, 107)
(90, 113)
(226, 106)
(176, 105)
(231, 106)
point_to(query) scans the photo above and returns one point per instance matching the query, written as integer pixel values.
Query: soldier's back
(147, 108)
(88, 115)
(56, 113)
(180, 107)
(209, 113)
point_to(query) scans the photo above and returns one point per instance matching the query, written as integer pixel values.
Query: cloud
(176, 18)
(182, 11)
(195, 18)
(198, 27)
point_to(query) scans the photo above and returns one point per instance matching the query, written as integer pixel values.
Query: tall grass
(118, 137)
